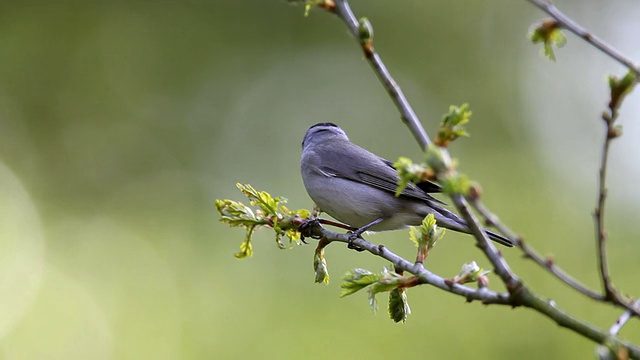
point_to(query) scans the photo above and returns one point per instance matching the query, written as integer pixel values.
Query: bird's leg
(359, 231)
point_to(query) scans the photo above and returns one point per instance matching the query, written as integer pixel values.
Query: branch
(615, 328)
(567, 23)
(610, 292)
(519, 293)
(530, 253)
(502, 269)
(408, 116)
(521, 297)
(484, 295)
(619, 89)
(549, 265)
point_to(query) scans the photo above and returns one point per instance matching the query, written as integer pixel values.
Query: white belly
(358, 204)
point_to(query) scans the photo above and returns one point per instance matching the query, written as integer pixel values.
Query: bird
(357, 187)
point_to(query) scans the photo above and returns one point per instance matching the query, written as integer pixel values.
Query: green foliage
(456, 184)
(549, 34)
(452, 125)
(270, 212)
(357, 279)
(620, 87)
(426, 236)
(409, 171)
(438, 164)
(399, 308)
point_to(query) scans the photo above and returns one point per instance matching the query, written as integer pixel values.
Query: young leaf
(452, 125)
(620, 87)
(320, 266)
(357, 279)
(271, 212)
(550, 34)
(399, 308)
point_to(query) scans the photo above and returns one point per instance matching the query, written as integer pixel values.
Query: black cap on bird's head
(321, 128)
(329, 124)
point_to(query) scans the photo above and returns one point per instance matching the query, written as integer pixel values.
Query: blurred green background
(121, 122)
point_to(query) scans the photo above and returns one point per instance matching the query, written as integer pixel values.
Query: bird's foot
(351, 245)
(306, 227)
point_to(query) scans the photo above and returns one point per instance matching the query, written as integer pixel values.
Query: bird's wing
(391, 185)
(426, 186)
(382, 177)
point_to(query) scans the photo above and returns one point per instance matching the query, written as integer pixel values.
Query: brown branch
(610, 292)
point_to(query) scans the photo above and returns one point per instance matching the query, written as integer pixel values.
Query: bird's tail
(499, 238)
(449, 220)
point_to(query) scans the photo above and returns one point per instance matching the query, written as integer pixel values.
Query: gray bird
(357, 187)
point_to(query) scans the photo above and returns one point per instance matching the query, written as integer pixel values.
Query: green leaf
(549, 33)
(389, 281)
(620, 88)
(428, 233)
(271, 212)
(263, 199)
(452, 125)
(425, 236)
(407, 172)
(237, 214)
(357, 279)
(456, 184)
(399, 308)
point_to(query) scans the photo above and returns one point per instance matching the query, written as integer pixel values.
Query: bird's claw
(305, 229)
(351, 245)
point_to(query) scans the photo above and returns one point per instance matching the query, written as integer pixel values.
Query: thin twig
(409, 117)
(502, 269)
(615, 328)
(530, 253)
(569, 24)
(549, 265)
(609, 291)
